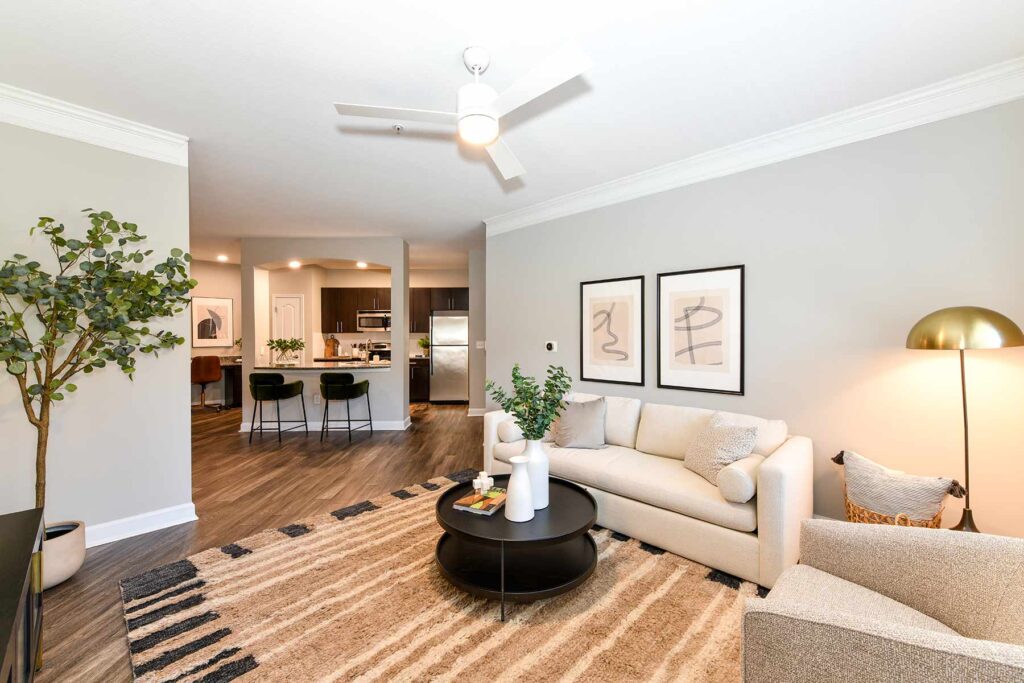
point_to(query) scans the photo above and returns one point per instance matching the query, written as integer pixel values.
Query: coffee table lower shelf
(519, 572)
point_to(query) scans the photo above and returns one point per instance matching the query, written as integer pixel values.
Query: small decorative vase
(537, 466)
(518, 501)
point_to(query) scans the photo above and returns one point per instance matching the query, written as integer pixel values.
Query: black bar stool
(341, 386)
(270, 386)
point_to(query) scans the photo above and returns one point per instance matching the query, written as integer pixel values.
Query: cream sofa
(644, 490)
(881, 603)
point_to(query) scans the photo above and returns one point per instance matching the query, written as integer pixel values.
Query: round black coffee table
(494, 558)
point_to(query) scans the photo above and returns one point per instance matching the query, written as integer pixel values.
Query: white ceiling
(252, 84)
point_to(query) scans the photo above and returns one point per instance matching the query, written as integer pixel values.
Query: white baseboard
(476, 412)
(117, 529)
(378, 425)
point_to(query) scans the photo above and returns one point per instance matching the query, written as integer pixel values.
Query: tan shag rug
(355, 595)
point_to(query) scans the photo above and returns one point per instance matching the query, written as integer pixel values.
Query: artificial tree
(534, 407)
(94, 310)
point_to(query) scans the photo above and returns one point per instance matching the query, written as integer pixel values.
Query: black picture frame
(643, 338)
(742, 335)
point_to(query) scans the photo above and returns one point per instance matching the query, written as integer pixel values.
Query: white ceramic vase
(519, 501)
(63, 551)
(537, 466)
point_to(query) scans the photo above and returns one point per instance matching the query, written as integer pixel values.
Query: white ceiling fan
(479, 107)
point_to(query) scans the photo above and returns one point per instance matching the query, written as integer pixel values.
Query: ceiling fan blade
(563, 66)
(505, 161)
(396, 113)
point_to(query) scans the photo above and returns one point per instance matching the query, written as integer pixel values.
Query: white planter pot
(519, 501)
(63, 551)
(537, 466)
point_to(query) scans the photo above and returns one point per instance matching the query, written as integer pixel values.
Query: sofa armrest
(791, 642)
(785, 498)
(491, 422)
(973, 583)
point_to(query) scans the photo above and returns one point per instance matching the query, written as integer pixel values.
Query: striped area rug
(355, 595)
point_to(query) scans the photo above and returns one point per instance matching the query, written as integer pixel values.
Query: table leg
(503, 580)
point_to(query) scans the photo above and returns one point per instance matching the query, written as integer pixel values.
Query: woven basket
(856, 513)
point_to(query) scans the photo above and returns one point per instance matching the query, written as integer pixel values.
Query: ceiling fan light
(478, 129)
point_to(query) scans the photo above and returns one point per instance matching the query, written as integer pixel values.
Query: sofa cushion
(581, 465)
(804, 585)
(738, 482)
(667, 484)
(668, 430)
(509, 432)
(718, 445)
(581, 425)
(622, 418)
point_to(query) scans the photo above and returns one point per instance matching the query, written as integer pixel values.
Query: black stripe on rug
(619, 537)
(220, 657)
(157, 614)
(156, 580)
(294, 530)
(724, 579)
(230, 671)
(402, 494)
(652, 549)
(170, 594)
(184, 626)
(462, 476)
(430, 486)
(235, 550)
(177, 653)
(355, 509)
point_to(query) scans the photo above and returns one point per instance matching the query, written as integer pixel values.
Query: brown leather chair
(205, 370)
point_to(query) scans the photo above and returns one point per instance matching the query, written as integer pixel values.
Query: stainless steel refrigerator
(449, 356)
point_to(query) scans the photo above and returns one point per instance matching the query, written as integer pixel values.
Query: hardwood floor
(238, 490)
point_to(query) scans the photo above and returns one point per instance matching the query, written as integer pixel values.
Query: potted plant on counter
(424, 344)
(287, 350)
(534, 409)
(93, 311)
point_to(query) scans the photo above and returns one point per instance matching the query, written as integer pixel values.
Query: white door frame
(274, 333)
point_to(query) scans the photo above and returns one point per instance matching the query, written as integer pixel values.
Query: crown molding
(48, 115)
(987, 87)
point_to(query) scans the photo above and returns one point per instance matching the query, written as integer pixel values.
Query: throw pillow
(892, 492)
(581, 425)
(737, 482)
(509, 431)
(718, 445)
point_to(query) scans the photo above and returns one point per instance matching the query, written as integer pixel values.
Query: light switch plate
(481, 345)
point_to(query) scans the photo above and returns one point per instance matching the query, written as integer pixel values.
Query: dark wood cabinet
(21, 595)
(419, 310)
(339, 305)
(449, 298)
(419, 380)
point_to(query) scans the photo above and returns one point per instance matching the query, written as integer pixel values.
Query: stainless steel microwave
(373, 321)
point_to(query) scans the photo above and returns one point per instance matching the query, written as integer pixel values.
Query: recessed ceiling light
(360, 264)
(222, 258)
(294, 264)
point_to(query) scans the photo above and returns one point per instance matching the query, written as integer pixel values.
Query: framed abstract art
(212, 322)
(612, 330)
(700, 330)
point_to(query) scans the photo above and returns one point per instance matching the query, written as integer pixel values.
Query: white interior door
(287, 316)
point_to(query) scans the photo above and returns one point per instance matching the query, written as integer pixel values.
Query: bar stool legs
(258, 410)
(325, 423)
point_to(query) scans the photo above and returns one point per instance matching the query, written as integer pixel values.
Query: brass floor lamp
(958, 329)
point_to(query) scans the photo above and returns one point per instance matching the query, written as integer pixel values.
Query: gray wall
(477, 328)
(117, 448)
(844, 251)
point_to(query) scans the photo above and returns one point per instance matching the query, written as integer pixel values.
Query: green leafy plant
(533, 407)
(424, 342)
(94, 310)
(286, 345)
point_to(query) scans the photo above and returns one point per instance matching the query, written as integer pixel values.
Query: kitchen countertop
(329, 365)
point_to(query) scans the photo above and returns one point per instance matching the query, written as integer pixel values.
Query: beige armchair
(881, 603)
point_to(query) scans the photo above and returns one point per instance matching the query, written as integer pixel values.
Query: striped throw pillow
(892, 492)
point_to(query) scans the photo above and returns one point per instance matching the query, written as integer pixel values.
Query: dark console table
(494, 558)
(21, 595)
